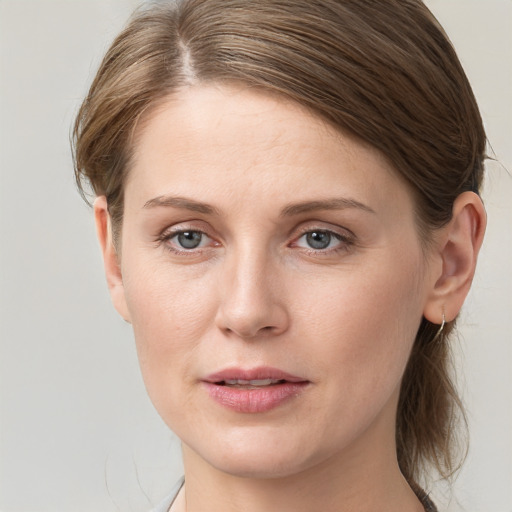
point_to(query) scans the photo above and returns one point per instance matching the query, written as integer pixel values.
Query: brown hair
(382, 69)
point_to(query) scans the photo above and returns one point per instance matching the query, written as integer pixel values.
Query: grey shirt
(166, 503)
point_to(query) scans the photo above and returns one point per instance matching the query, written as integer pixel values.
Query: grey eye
(189, 239)
(318, 239)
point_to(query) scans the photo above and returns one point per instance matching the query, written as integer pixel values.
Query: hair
(383, 70)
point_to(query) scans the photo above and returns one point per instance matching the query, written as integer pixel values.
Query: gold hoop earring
(439, 332)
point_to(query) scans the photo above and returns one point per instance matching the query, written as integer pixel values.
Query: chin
(262, 468)
(258, 456)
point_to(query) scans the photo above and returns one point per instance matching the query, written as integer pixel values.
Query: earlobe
(110, 257)
(459, 243)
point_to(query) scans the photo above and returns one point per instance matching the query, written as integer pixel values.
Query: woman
(287, 204)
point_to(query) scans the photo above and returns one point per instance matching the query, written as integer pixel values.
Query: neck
(364, 478)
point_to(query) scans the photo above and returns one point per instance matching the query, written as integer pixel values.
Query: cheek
(366, 326)
(170, 314)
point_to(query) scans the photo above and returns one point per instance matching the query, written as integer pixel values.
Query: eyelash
(166, 236)
(345, 241)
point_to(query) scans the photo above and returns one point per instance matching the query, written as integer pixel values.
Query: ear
(110, 258)
(456, 251)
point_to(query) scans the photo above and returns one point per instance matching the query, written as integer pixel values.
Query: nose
(252, 298)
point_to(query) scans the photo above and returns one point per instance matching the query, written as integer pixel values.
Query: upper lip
(260, 373)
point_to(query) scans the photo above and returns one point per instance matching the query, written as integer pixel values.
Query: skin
(256, 293)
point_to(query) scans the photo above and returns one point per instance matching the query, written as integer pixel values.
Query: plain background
(77, 431)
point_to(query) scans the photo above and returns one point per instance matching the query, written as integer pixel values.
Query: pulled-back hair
(383, 70)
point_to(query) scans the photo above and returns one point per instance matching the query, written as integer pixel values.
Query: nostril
(248, 333)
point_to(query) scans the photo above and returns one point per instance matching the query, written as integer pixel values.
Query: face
(273, 274)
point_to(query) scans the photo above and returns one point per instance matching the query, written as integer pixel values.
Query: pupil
(189, 239)
(318, 239)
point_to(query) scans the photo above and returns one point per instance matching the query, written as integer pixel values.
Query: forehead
(204, 138)
(248, 116)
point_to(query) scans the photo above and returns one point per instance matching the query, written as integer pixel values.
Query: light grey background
(77, 432)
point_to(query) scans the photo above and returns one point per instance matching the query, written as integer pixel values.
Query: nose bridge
(251, 303)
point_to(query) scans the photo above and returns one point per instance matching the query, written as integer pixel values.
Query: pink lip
(253, 400)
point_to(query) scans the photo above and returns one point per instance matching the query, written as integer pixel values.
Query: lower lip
(254, 400)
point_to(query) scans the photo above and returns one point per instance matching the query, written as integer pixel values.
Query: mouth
(250, 384)
(255, 377)
(254, 391)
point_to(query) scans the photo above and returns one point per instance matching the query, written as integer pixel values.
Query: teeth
(256, 382)
(262, 382)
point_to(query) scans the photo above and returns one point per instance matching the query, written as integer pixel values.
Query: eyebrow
(338, 203)
(181, 202)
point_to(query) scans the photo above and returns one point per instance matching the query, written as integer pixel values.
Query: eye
(320, 240)
(189, 240)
